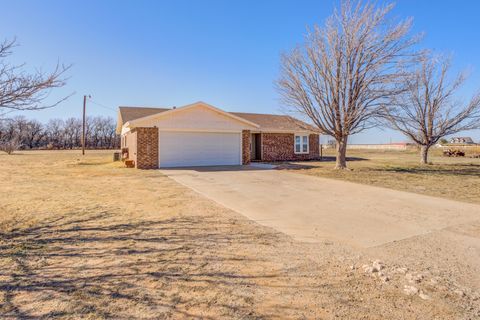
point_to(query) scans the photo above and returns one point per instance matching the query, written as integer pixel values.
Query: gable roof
(196, 104)
(265, 122)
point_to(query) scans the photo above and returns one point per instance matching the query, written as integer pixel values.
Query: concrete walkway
(314, 209)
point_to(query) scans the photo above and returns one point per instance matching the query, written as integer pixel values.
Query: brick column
(246, 145)
(147, 148)
(314, 147)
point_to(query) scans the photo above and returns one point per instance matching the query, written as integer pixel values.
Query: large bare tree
(429, 110)
(22, 90)
(346, 70)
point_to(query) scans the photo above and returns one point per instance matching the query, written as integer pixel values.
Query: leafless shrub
(10, 136)
(10, 146)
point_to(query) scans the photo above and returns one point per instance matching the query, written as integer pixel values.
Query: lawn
(446, 177)
(85, 238)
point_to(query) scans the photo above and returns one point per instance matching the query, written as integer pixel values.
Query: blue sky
(226, 53)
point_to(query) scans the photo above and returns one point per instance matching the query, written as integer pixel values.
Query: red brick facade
(280, 147)
(314, 146)
(246, 145)
(143, 146)
(147, 148)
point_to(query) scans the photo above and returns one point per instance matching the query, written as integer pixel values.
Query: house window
(301, 143)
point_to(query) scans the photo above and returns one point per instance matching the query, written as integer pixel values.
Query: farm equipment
(453, 153)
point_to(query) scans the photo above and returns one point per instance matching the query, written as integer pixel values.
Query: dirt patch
(101, 241)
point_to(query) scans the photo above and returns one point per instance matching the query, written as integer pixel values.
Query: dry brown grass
(452, 178)
(86, 238)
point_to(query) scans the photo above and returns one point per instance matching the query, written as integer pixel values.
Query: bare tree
(72, 132)
(20, 90)
(106, 132)
(90, 134)
(345, 71)
(11, 134)
(428, 110)
(32, 134)
(55, 133)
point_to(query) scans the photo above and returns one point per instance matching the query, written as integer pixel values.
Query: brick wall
(280, 147)
(314, 147)
(275, 147)
(246, 146)
(147, 148)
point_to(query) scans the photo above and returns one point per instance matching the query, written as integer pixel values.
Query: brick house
(462, 140)
(202, 135)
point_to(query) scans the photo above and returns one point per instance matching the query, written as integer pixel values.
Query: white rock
(401, 270)
(414, 278)
(476, 296)
(424, 296)
(378, 265)
(369, 269)
(410, 290)
(459, 292)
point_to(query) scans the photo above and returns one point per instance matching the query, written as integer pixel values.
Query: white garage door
(184, 149)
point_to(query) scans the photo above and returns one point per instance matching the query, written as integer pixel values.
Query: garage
(184, 149)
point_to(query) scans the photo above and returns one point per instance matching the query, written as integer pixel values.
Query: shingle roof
(275, 122)
(267, 122)
(132, 113)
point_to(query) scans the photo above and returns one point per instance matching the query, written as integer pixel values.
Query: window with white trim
(301, 143)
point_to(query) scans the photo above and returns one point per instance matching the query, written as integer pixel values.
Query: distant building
(462, 140)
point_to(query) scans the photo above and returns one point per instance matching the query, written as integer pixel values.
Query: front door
(256, 151)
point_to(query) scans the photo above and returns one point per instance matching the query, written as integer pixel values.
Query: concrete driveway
(314, 209)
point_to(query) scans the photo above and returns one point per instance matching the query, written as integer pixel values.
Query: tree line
(22, 133)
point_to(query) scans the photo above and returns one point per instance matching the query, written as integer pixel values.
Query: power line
(6, 112)
(102, 105)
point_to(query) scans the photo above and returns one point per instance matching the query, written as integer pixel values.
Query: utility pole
(83, 126)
